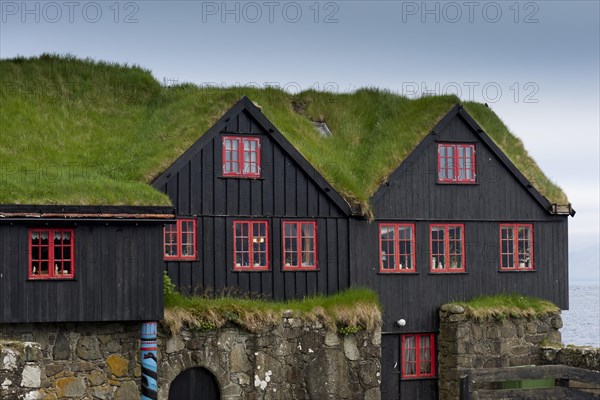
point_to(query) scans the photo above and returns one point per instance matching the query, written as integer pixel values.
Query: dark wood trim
(66, 211)
(421, 147)
(505, 160)
(297, 157)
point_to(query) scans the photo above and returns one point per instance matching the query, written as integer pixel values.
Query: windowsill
(398, 273)
(300, 270)
(180, 259)
(517, 270)
(448, 273)
(457, 183)
(252, 178)
(250, 270)
(50, 279)
(424, 378)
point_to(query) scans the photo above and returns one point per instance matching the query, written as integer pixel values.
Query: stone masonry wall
(76, 361)
(574, 356)
(293, 361)
(467, 343)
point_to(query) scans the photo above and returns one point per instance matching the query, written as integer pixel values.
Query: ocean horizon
(582, 320)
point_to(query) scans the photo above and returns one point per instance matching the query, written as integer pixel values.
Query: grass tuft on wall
(501, 306)
(347, 311)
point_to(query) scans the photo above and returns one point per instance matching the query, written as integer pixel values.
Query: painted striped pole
(149, 361)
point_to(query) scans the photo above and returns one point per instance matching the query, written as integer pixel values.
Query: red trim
(515, 248)
(418, 362)
(397, 255)
(456, 170)
(437, 266)
(238, 157)
(178, 232)
(55, 267)
(250, 247)
(299, 249)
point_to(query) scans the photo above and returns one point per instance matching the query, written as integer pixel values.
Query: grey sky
(535, 62)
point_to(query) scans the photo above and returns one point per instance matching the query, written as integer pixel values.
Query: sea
(581, 323)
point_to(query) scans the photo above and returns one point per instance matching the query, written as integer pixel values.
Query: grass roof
(80, 132)
(500, 306)
(350, 308)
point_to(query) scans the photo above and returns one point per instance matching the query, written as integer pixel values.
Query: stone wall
(574, 356)
(467, 343)
(293, 361)
(78, 361)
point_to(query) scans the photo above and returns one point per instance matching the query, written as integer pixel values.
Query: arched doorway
(195, 384)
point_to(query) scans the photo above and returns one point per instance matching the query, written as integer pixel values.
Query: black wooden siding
(284, 191)
(213, 272)
(417, 297)
(413, 195)
(117, 275)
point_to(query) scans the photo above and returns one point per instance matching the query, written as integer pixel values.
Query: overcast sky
(536, 63)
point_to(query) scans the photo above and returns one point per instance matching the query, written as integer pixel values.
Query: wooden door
(195, 384)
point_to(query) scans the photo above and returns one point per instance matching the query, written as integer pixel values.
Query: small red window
(299, 245)
(447, 248)
(516, 247)
(418, 355)
(456, 163)
(51, 254)
(241, 156)
(397, 248)
(180, 240)
(251, 245)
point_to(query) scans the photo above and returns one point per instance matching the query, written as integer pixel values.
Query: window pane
(438, 257)
(388, 256)
(410, 356)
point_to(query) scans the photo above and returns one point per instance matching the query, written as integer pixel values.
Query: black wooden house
(455, 220)
(81, 263)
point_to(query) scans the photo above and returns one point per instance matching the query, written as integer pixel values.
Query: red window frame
(412, 366)
(398, 255)
(173, 239)
(512, 249)
(55, 266)
(250, 168)
(455, 164)
(251, 240)
(445, 266)
(300, 251)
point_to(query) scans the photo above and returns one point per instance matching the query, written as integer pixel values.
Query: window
(418, 355)
(241, 156)
(299, 249)
(516, 247)
(396, 248)
(251, 245)
(456, 163)
(180, 240)
(51, 254)
(447, 248)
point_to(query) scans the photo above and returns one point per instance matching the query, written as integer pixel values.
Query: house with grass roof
(110, 179)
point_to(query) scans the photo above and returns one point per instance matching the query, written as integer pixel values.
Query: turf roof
(80, 132)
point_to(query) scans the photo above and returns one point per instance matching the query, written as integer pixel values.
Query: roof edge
(27, 211)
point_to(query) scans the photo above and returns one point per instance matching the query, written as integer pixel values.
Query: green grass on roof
(354, 307)
(501, 306)
(90, 133)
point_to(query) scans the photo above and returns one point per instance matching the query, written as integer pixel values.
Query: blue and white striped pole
(149, 361)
